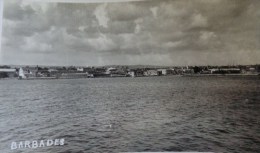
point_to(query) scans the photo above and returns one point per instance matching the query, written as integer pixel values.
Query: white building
(79, 69)
(131, 73)
(9, 72)
(151, 73)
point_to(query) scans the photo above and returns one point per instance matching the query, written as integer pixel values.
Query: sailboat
(21, 74)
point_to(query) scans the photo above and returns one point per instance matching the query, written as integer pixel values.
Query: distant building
(89, 70)
(205, 72)
(73, 75)
(166, 71)
(131, 73)
(34, 71)
(225, 71)
(100, 70)
(139, 73)
(111, 70)
(135, 72)
(162, 71)
(151, 73)
(53, 72)
(187, 71)
(79, 69)
(7, 72)
(212, 71)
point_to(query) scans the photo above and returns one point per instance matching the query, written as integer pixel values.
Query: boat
(21, 74)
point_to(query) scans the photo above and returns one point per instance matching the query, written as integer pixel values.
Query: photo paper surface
(130, 76)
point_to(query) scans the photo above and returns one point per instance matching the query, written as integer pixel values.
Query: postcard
(118, 76)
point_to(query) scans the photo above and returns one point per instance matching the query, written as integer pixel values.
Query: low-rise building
(131, 73)
(187, 71)
(225, 71)
(7, 73)
(166, 71)
(80, 69)
(151, 73)
(73, 75)
(111, 70)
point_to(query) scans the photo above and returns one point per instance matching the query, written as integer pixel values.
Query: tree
(5, 67)
(197, 69)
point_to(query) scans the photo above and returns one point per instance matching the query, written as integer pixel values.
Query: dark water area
(218, 114)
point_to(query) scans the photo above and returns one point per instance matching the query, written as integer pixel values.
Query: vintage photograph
(114, 76)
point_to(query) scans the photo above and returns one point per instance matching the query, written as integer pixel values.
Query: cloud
(161, 32)
(154, 11)
(101, 15)
(199, 21)
(102, 43)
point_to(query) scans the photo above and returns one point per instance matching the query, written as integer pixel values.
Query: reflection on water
(133, 114)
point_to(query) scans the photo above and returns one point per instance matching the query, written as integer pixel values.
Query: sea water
(218, 114)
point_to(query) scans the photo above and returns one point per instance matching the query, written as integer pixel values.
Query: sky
(151, 32)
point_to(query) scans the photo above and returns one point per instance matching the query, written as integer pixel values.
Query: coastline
(183, 75)
(217, 75)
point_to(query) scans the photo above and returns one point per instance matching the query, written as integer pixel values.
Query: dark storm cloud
(163, 32)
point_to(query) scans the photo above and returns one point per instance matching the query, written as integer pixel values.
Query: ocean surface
(110, 115)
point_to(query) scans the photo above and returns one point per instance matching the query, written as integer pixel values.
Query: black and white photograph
(121, 76)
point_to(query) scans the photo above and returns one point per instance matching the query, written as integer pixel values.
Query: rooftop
(7, 70)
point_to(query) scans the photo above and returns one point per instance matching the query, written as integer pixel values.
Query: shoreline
(212, 75)
(183, 75)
